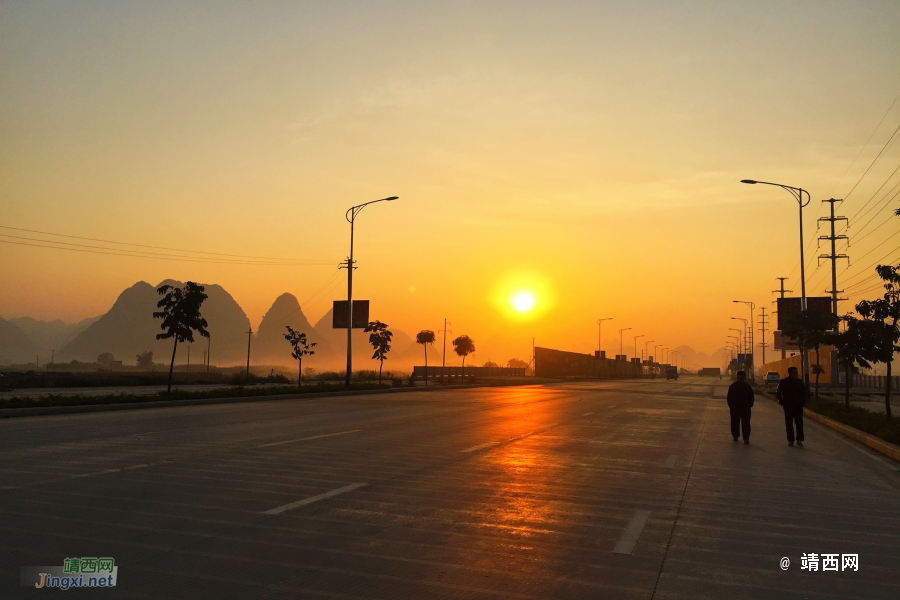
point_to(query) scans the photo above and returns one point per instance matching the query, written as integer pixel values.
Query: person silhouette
(791, 395)
(740, 401)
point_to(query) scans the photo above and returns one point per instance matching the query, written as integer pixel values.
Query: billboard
(788, 308)
(360, 314)
(789, 343)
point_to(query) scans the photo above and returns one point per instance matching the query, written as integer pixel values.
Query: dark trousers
(740, 422)
(793, 415)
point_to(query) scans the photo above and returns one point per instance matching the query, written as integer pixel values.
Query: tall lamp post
(752, 337)
(797, 193)
(621, 342)
(744, 321)
(351, 218)
(600, 333)
(635, 343)
(647, 352)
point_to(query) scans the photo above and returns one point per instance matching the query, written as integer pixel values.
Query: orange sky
(588, 152)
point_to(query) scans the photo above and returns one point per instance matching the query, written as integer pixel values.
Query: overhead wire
(158, 247)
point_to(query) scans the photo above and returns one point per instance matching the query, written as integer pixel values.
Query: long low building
(561, 364)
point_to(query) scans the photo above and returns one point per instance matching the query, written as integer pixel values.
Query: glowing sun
(523, 302)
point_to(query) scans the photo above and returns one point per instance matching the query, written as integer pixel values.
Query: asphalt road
(628, 489)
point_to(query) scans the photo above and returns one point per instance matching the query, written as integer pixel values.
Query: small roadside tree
(425, 337)
(380, 338)
(849, 345)
(180, 316)
(145, 360)
(812, 331)
(882, 316)
(105, 358)
(299, 349)
(464, 346)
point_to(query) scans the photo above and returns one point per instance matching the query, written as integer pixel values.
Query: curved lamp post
(752, 336)
(797, 193)
(351, 217)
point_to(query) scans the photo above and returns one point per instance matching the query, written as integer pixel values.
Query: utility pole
(208, 347)
(249, 334)
(834, 256)
(782, 291)
(763, 345)
(187, 367)
(444, 353)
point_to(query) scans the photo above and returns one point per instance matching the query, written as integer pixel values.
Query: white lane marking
(312, 437)
(686, 434)
(670, 463)
(480, 447)
(132, 467)
(631, 534)
(587, 414)
(311, 499)
(512, 439)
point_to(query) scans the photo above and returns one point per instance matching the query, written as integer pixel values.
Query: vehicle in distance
(671, 373)
(772, 379)
(710, 372)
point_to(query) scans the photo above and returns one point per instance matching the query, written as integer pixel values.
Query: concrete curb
(90, 408)
(873, 442)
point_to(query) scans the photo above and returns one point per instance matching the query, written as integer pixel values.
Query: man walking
(740, 401)
(791, 394)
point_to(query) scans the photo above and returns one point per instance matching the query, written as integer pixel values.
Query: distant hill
(129, 329)
(51, 335)
(270, 345)
(14, 344)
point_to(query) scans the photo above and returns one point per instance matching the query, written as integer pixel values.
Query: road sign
(360, 314)
(788, 308)
(789, 343)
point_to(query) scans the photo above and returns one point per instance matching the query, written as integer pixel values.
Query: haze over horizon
(587, 154)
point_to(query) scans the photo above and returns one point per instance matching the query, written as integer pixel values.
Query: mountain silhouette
(15, 346)
(51, 335)
(270, 345)
(129, 329)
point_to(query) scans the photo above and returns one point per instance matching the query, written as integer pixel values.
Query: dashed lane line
(324, 496)
(312, 437)
(631, 534)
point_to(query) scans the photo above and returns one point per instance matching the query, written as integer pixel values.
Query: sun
(523, 302)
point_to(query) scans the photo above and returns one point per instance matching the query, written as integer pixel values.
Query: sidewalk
(747, 507)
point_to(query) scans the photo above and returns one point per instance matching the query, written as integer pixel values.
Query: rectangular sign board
(788, 308)
(789, 343)
(360, 314)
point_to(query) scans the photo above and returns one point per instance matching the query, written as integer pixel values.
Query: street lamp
(740, 332)
(656, 353)
(635, 343)
(797, 193)
(621, 347)
(351, 218)
(600, 333)
(647, 352)
(752, 337)
(745, 331)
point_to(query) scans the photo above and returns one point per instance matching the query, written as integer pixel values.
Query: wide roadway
(605, 489)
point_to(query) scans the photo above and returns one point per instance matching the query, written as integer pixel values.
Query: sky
(586, 153)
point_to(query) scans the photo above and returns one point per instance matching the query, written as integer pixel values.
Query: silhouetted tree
(180, 316)
(425, 337)
(380, 338)
(463, 346)
(811, 330)
(880, 331)
(849, 345)
(145, 360)
(299, 349)
(105, 358)
(515, 363)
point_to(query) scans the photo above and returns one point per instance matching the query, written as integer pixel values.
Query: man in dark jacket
(740, 401)
(791, 394)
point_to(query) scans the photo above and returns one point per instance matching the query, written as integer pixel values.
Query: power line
(883, 148)
(887, 203)
(212, 254)
(864, 146)
(874, 263)
(86, 248)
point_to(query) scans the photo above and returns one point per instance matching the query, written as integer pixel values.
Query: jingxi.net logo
(76, 572)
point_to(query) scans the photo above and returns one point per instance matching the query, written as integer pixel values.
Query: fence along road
(624, 489)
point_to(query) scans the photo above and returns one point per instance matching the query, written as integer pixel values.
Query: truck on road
(671, 373)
